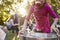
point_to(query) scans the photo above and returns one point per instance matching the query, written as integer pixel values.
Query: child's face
(39, 2)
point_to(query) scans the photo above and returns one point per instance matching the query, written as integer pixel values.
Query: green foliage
(56, 7)
(4, 10)
(5, 6)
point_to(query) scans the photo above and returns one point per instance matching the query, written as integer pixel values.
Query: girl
(41, 12)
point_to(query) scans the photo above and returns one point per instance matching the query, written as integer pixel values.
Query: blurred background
(6, 7)
(21, 7)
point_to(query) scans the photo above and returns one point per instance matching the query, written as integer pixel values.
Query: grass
(10, 35)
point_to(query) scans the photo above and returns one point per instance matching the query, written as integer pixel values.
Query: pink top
(42, 17)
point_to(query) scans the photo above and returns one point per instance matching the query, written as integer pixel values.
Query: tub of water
(38, 36)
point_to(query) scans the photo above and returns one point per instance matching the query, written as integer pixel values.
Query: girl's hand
(22, 31)
(55, 29)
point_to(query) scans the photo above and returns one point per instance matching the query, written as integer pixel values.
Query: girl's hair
(12, 17)
(34, 2)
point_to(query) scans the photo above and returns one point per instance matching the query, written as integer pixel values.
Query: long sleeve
(51, 12)
(30, 11)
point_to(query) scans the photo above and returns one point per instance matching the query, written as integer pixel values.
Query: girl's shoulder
(47, 6)
(32, 6)
(11, 19)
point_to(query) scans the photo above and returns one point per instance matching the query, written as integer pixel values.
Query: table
(38, 36)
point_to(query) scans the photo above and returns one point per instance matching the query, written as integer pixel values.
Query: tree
(56, 6)
(5, 5)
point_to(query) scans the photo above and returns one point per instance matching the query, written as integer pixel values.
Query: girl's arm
(54, 24)
(55, 18)
(27, 19)
(12, 22)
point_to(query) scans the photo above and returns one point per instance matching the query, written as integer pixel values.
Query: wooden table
(38, 36)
